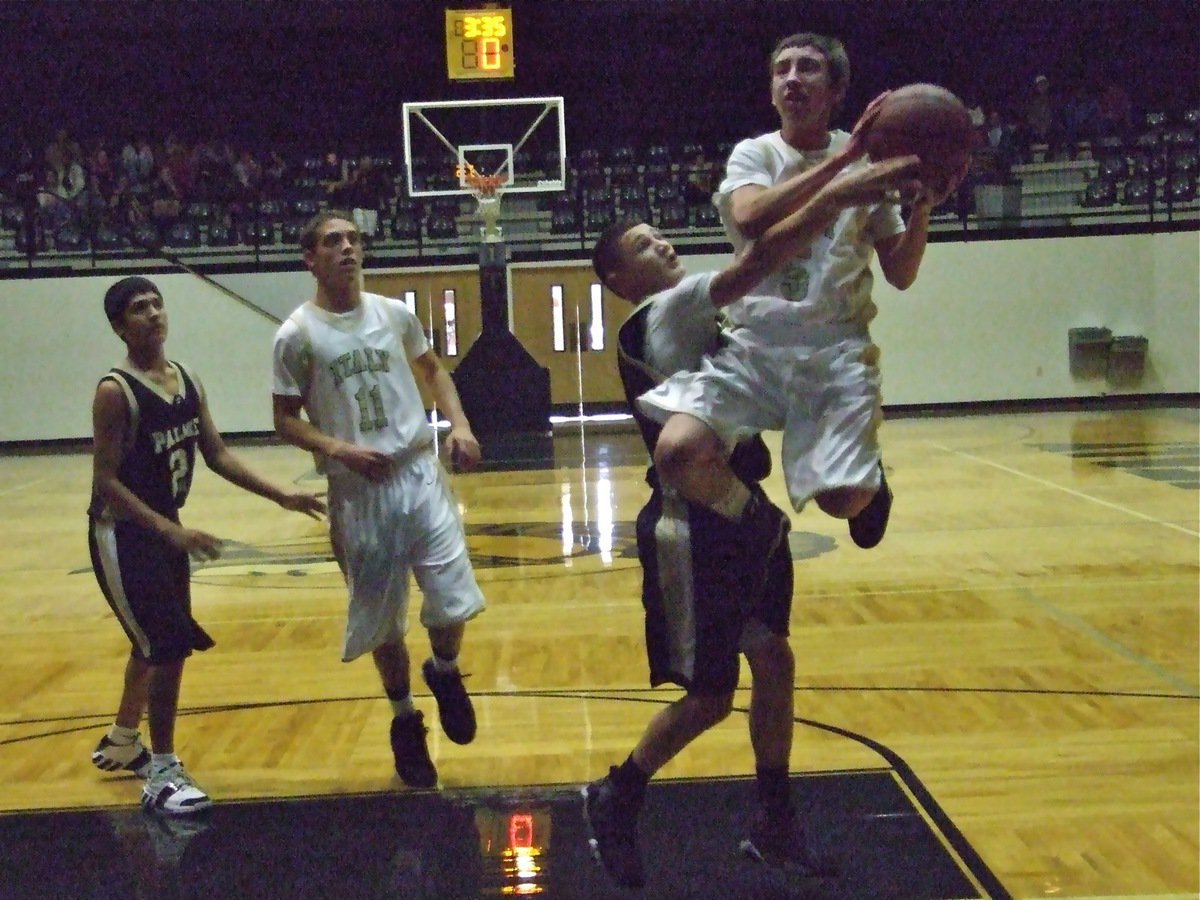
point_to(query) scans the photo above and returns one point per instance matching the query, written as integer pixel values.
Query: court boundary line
(629, 693)
(1066, 490)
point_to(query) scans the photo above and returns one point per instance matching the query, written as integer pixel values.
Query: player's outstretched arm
(866, 184)
(900, 256)
(755, 208)
(229, 466)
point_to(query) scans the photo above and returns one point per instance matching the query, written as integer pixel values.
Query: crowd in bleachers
(64, 196)
(1140, 158)
(152, 193)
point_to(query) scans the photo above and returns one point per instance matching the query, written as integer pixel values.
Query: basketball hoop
(487, 190)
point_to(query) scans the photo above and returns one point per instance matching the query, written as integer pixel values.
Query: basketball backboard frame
(447, 138)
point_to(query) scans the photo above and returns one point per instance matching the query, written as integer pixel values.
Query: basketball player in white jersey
(818, 308)
(347, 359)
(717, 570)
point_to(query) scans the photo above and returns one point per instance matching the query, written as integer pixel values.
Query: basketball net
(487, 190)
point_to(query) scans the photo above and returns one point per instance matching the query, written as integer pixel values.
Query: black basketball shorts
(696, 604)
(146, 581)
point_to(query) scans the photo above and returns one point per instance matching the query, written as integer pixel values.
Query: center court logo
(498, 546)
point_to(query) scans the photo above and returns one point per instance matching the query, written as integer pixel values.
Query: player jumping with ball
(810, 318)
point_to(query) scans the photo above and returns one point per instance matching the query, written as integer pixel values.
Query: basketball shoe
(612, 815)
(868, 527)
(411, 753)
(171, 790)
(455, 711)
(777, 839)
(131, 757)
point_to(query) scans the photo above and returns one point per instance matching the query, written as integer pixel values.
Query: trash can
(1088, 351)
(1127, 359)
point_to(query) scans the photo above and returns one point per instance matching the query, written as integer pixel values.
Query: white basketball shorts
(825, 400)
(381, 532)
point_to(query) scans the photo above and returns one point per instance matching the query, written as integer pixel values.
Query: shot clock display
(479, 43)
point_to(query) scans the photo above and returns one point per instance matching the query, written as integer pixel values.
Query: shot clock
(479, 43)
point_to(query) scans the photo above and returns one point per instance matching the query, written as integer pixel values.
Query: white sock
(160, 761)
(402, 707)
(445, 665)
(122, 736)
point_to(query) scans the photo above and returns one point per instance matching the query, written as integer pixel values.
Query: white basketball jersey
(352, 372)
(829, 281)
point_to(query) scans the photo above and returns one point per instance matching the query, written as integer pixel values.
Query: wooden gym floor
(1023, 646)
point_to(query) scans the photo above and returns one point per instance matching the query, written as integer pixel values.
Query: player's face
(144, 322)
(801, 91)
(649, 263)
(337, 258)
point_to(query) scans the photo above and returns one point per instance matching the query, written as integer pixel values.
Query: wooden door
(445, 300)
(568, 323)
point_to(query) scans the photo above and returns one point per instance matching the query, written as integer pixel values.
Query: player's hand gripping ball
(928, 121)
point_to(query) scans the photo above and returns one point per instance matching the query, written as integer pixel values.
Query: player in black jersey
(149, 416)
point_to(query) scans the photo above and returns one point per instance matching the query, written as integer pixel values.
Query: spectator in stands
(367, 190)
(166, 203)
(62, 141)
(1042, 124)
(1000, 141)
(179, 169)
(1080, 114)
(76, 174)
(1115, 113)
(67, 169)
(137, 164)
(248, 173)
(274, 173)
(125, 207)
(100, 168)
(93, 205)
(54, 210)
(701, 179)
(215, 181)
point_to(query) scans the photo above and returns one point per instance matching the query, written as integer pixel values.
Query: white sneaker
(172, 791)
(133, 757)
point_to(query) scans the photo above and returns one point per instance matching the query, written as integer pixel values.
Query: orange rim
(485, 185)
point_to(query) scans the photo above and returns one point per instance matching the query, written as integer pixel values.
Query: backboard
(523, 139)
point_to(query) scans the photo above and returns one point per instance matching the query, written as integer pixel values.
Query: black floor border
(971, 859)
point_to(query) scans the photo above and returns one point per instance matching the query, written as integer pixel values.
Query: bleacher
(1151, 178)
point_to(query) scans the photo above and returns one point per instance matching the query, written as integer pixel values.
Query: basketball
(926, 121)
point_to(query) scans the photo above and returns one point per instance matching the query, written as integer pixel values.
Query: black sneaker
(780, 841)
(612, 817)
(454, 705)
(868, 527)
(413, 764)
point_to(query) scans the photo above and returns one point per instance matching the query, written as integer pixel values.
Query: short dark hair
(831, 48)
(117, 297)
(308, 234)
(607, 257)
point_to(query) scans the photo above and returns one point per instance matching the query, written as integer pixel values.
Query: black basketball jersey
(160, 448)
(750, 461)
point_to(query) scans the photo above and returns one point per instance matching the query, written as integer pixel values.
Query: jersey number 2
(178, 463)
